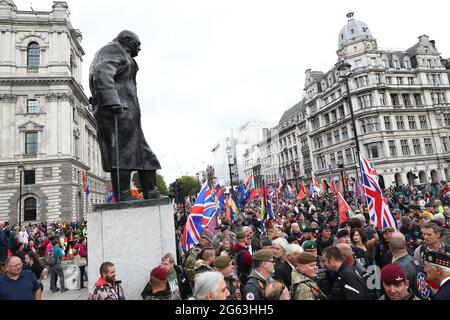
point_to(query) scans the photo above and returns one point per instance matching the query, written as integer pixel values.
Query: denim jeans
(54, 272)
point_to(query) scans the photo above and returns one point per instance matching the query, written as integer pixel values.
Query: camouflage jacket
(303, 288)
(162, 295)
(106, 291)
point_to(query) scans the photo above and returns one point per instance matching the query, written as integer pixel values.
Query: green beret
(308, 229)
(222, 262)
(241, 235)
(263, 255)
(309, 245)
(306, 258)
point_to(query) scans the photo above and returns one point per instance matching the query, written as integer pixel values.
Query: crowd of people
(305, 252)
(30, 253)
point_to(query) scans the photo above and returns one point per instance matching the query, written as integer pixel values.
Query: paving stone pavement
(72, 283)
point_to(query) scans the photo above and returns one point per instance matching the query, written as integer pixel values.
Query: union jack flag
(379, 211)
(202, 211)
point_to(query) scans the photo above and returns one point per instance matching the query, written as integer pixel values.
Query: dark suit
(284, 273)
(443, 292)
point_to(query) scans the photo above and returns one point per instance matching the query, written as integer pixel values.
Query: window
(373, 149)
(407, 64)
(348, 155)
(417, 99)
(387, 123)
(423, 122)
(341, 112)
(344, 133)
(428, 146)
(33, 55)
(392, 148)
(365, 101)
(410, 80)
(405, 147)
(389, 80)
(358, 63)
(326, 119)
(333, 159)
(333, 116)
(406, 100)
(30, 205)
(321, 162)
(337, 137)
(32, 106)
(399, 80)
(395, 99)
(315, 123)
(370, 125)
(412, 122)
(396, 64)
(373, 61)
(361, 81)
(416, 146)
(340, 157)
(445, 144)
(29, 177)
(329, 139)
(400, 123)
(31, 142)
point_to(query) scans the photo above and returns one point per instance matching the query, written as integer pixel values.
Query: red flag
(332, 187)
(253, 194)
(338, 187)
(84, 181)
(304, 190)
(301, 195)
(344, 208)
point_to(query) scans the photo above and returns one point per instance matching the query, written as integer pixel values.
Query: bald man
(19, 284)
(349, 259)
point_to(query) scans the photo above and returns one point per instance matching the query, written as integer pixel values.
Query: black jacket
(284, 273)
(183, 285)
(348, 285)
(321, 245)
(443, 292)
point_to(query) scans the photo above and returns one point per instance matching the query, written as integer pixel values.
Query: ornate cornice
(8, 98)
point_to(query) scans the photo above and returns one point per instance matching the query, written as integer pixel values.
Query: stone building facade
(45, 121)
(401, 105)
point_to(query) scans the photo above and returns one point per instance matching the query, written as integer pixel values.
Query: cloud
(207, 66)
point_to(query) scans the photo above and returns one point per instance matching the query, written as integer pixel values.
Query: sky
(207, 66)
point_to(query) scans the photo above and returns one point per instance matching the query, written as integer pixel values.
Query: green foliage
(162, 186)
(160, 183)
(190, 184)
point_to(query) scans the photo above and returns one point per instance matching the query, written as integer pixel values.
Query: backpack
(50, 258)
(189, 264)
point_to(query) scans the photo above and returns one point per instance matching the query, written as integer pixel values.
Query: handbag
(79, 261)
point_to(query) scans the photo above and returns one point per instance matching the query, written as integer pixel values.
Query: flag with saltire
(202, 211)
(379, 211)
(249, 187)
(344, 209)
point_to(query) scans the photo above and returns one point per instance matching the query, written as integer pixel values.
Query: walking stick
(116, 117)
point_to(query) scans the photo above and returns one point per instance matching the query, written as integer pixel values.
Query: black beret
(342, 233)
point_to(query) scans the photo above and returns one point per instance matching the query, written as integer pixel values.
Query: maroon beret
(160, 273)
(393, 274)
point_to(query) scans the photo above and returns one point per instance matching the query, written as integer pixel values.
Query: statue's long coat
(112, 80)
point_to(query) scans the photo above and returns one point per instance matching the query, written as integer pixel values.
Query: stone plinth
(132, 235)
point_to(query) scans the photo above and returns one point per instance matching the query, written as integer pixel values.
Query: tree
(160, 183)
(190, 186)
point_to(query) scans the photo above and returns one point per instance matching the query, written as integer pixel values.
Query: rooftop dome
(352, 30)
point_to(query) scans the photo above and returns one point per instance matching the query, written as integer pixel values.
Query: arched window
(30, 209)
(33, 55)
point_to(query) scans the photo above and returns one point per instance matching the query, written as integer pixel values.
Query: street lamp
(21, 168)
(345, 72)
(230, 165)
